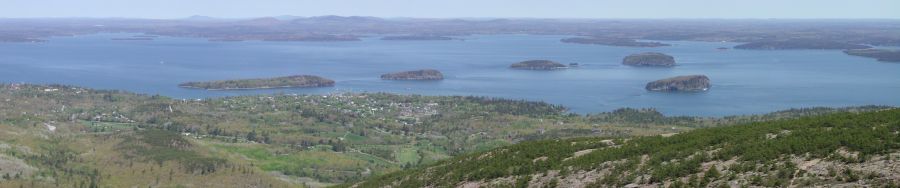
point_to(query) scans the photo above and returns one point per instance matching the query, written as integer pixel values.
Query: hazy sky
(456, 8)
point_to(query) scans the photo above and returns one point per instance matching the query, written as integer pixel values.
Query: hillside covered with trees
(843, 149)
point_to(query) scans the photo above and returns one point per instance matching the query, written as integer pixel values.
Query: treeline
(643, 116)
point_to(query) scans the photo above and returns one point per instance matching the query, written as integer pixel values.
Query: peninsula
(800, 44)
(612, 42)
(879, 54)
(297, 81)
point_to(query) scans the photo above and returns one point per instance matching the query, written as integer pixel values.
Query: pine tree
(251, 136)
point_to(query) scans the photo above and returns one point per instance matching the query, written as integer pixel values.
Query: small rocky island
(425, 74)
(649, 59)
(538, 65)
(879, 54)
(691, 83)
(297, 81)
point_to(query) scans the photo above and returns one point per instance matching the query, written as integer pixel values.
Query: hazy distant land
(757, 34)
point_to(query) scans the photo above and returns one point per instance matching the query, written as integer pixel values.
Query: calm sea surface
(744, 81)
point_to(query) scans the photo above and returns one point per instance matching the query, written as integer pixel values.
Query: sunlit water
(743, 81)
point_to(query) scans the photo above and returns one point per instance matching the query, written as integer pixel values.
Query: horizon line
(447, 18)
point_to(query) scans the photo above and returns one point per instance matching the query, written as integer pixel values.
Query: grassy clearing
(320, 165)
(407, 156)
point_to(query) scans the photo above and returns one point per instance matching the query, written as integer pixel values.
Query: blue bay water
(744, 81)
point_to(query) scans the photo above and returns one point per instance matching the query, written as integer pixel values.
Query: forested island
(612, 42)
(417, 37)
(688, 83)
(879, 54)
(649, 59)
(538, 65)
(800, 44)
(425, 74)
(264, 83)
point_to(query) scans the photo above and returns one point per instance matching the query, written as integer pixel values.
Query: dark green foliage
(642, 116)
(522, 182)
(711, 174)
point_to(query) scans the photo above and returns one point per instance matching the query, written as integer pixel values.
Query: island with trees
(800, 44)
(297, 81)
(879, 54)
(538, 65)
(612, 42)
(649, 59)
(689, 83)
(424, 74)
